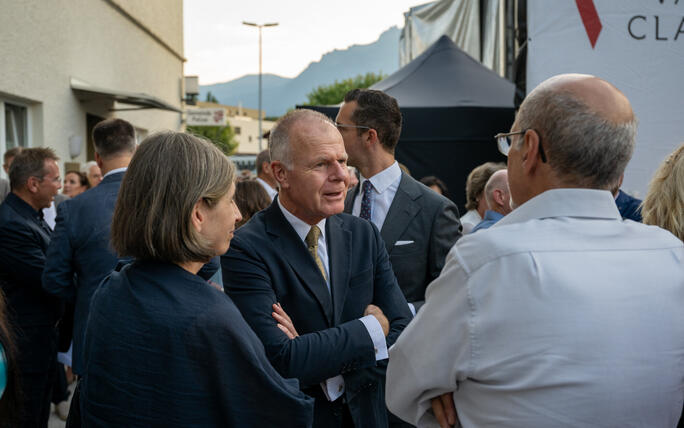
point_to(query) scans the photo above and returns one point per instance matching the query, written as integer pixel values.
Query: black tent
(452, 107)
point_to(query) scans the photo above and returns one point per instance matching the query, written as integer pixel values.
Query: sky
(219, 48)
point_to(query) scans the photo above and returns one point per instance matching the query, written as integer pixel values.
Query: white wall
(45, 43)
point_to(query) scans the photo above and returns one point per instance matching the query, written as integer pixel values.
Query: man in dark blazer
(328, 271)
(80, 256)
(419, 226)
(24, 238)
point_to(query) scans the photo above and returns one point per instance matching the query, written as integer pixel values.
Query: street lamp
(251, 24)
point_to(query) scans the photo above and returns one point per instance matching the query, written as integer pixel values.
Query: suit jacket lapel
(296, 254)
(339, 255)
(405, 206)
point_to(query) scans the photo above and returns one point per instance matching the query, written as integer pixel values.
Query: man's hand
(284, 321)
(377, 313)
(444, 410)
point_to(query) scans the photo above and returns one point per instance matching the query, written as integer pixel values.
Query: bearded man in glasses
(562, 314)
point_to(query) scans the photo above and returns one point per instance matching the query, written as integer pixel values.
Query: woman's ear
(198, 215)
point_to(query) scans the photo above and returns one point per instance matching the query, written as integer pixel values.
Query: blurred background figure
(353, 177)
(435, 184)
(5, 184)
(75, 183)
(92, 171)
(250, 197)
(476, 204)
(163, 347)
(9, 376)
(265, 175)
(498, 200)
(664, 202)
(245, 174)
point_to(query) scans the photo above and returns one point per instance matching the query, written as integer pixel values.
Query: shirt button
(376, 350)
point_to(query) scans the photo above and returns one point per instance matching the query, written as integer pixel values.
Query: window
(237, 130)
(15, 126)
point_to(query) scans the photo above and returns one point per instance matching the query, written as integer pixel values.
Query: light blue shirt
(385, 186)
(560, 315)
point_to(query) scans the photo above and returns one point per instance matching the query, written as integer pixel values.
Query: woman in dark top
(164, 348)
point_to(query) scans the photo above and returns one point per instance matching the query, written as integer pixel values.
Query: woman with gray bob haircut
(164, 348)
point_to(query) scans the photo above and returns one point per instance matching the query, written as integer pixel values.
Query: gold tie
(312, 242)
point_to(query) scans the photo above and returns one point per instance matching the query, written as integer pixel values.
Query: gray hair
(85, 168)
(279, 140)
(582, 147)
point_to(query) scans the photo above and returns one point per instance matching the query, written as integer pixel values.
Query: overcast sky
(219, 48)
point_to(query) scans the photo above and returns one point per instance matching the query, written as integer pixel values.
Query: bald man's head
(497, 194)
(587, 128)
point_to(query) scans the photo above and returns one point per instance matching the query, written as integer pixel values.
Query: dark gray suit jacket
(426, 219)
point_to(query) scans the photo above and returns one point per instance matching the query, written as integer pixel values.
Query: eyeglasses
(504, 142)
(341, 125)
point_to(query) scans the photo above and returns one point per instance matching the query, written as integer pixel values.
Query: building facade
(67, 64)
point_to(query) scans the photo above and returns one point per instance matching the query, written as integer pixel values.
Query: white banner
(637, 45)
(206, 117)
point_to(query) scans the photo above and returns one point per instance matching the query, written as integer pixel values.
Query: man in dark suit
(329, 271)
(419, 226)
(24, 238)
(80, 243)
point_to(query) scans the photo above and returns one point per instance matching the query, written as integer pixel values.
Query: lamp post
(260, 26)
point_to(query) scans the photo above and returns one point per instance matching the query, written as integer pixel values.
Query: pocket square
(403, 243)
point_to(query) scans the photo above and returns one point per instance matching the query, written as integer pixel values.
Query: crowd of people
(316, 295)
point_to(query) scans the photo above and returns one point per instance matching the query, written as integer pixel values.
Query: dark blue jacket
(24, 238)
(267, 262)
(80, 247)
(165, 349)
(628, 206)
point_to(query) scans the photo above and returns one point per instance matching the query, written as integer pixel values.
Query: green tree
(211, 98)
(334, 93)
(222, 136)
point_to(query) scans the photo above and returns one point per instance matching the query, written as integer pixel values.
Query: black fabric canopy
(452, 106)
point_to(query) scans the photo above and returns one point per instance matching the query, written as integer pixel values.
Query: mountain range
(282, 93)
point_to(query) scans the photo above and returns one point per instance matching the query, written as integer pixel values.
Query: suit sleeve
(312, 357)
(58, 276)
(446, 230)
(249, 390)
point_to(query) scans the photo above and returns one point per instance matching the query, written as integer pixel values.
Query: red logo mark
(590, 19)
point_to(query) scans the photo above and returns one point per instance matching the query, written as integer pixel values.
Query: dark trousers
(74, 419)
(37, 356)
(329, 414)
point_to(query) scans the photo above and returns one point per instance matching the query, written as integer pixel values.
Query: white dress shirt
(469, 220)
(334, 387)
(559, 315)
(270, 190)
(385, 186)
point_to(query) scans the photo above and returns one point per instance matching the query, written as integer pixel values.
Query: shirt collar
(493, 215)
(114, 171)
(384, 179)
(301, 227)
(587, 203)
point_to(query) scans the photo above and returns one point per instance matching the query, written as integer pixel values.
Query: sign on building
(637, 45)
(206, 117)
